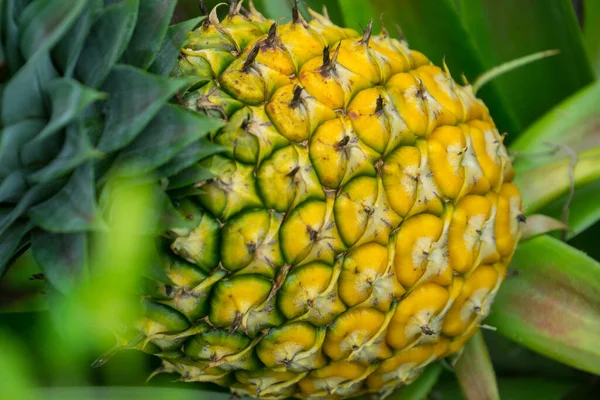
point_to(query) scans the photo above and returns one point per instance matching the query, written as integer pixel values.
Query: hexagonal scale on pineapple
(213, 101)
(486, 142)
(215, 346)
(295, 113)
(414, 243)
(472, 301)
(249, 136)
(293, 347)
(200, 245)
(376, 122)
(446, 150)
(330, 82)
(352, 331)
(403, 368)
(363, 214)
(251, 243)
(464, 239)
(161, 319)
(309, 293)
(309, 233)
(250, 81)
(338, 155)
(339, 377)
(414, 316)
(410, 98)
(287, 179)
(265, 382)
(510, 210)
(231, 190)
(367, 279)
(243, 303)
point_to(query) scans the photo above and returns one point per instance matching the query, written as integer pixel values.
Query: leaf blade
(552, 304)
(148, 36)
(475, 371)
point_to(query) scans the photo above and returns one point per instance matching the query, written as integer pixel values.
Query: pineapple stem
(501, 69)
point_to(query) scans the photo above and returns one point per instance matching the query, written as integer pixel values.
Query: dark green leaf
(62, 258)
(72, 209)
(69, 98)
(13, 187)
(3, 62)
(44, 22)
(435, 28)
(166, 58)
(510, 29)
(76, 150)
(135, 97)
(591, 32)
(23, 95)
(10, 241)
(67, 50)
(552, 303)
(574, 123)
(475, 372)
(12, 11)
(189, 176)
(154, 17)
(106, 42)
(12, 140)
(172, 129)
(34, 195)
(419, 389)
(189, 156)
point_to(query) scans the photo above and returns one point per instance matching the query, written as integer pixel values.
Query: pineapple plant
(335, 212)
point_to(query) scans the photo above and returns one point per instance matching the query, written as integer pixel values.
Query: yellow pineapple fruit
(354, 229)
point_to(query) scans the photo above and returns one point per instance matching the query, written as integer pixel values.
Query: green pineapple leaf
(135, 97)
(62, 257)
(73, 208)
(69, 98)
(66, 52)
(475, 372)
(188, 157)
(106, 42)
(551, 303)
(171, 130)
(166, 58)
(43, 23)
(154, 17)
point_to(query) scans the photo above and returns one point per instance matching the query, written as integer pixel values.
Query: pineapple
(355, 227)
(347, 221)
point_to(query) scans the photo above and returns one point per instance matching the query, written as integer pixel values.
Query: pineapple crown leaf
(85, 100)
